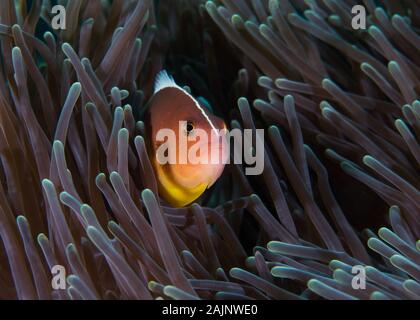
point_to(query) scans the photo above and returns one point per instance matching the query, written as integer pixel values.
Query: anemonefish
(172, 107)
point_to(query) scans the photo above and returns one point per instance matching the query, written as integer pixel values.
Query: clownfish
(172, 107)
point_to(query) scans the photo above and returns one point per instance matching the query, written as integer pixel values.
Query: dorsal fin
(164, 80)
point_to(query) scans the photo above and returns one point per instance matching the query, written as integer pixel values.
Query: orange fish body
(182, 181)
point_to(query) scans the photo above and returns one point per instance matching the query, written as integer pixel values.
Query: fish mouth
(218, 167)
(215, 175)
(207, 167)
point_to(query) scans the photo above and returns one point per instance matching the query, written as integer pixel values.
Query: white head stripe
(164, 80)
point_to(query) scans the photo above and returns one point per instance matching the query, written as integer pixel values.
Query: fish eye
(189, 127)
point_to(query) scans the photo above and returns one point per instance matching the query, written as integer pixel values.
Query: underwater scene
(215, 150)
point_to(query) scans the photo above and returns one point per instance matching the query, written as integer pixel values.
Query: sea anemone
(340, 186)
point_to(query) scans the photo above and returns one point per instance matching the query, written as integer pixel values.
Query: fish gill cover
(340, 186)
